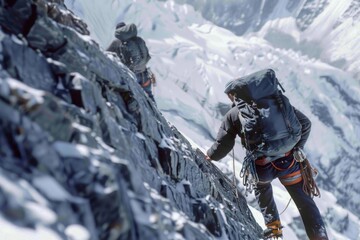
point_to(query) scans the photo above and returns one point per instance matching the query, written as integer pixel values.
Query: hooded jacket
(126, 32)
(231, 127)
(130, 48)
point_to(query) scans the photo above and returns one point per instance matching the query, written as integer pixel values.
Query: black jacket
(231, 126)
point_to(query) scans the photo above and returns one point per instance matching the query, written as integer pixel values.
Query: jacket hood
(229, 87)
(126, 32)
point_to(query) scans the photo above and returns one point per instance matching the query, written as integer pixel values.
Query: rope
(287, 205)
(308, 173)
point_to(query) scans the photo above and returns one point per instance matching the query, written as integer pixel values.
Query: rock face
(85, 154)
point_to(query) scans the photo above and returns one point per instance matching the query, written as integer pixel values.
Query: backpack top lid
(126, 32)
(254, 86)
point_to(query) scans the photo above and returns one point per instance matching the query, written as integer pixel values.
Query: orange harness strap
(147, 83)
(291, 179)
(281, 169)
(262, 161)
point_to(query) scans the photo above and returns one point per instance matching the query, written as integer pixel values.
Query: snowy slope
(325, 29)
(332, 35)
(193, 59)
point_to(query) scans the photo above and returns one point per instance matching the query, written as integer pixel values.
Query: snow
(12, 231)
(66, 149)
(40, 213)
(48, 186)
(193, 59)
(167, 143)
(327, 37)
(77, 232)
(140, 135)
(11, 188)
(32, 96)
(314, 32)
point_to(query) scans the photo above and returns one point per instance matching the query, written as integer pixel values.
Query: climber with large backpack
(273, 134)
(133, 53)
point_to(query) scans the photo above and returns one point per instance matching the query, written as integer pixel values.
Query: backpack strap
(123, 52)
(242, 104)
(279, 100)
(142, 55)
(278, 82)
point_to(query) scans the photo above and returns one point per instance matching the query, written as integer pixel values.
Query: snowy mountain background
(312, 46)
(322, 29)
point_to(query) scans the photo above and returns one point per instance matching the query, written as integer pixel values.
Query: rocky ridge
(85, 154)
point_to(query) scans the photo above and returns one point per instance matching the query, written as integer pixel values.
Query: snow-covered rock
(78, 163)
(193, 59)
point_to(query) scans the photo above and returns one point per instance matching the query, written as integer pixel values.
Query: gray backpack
(132, 49)
(134, 54)
(268, 120)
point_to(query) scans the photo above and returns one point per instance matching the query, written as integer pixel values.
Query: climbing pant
(288, 172)
(144, 80)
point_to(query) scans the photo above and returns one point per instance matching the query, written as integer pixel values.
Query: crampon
(272, 236)
(273, 231)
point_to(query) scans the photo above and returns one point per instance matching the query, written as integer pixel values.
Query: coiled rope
(308, 173)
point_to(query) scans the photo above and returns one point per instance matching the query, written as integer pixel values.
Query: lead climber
(133, 53)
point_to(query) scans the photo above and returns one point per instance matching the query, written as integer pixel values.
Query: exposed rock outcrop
(84, 152)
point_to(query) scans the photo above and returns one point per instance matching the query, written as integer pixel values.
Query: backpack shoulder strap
(143, 50)
(124, 53)
(138, 43)
(278, 82)
(279, 99)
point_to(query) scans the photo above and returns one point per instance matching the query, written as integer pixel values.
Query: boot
(273, 230)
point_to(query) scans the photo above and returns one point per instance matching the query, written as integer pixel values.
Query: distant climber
(273, 133)
(134, 53)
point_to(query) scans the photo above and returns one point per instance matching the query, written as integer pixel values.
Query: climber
(134, 53)
(282, 166)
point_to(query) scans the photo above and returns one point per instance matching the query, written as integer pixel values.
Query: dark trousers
(145, 82)
(287, 171)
